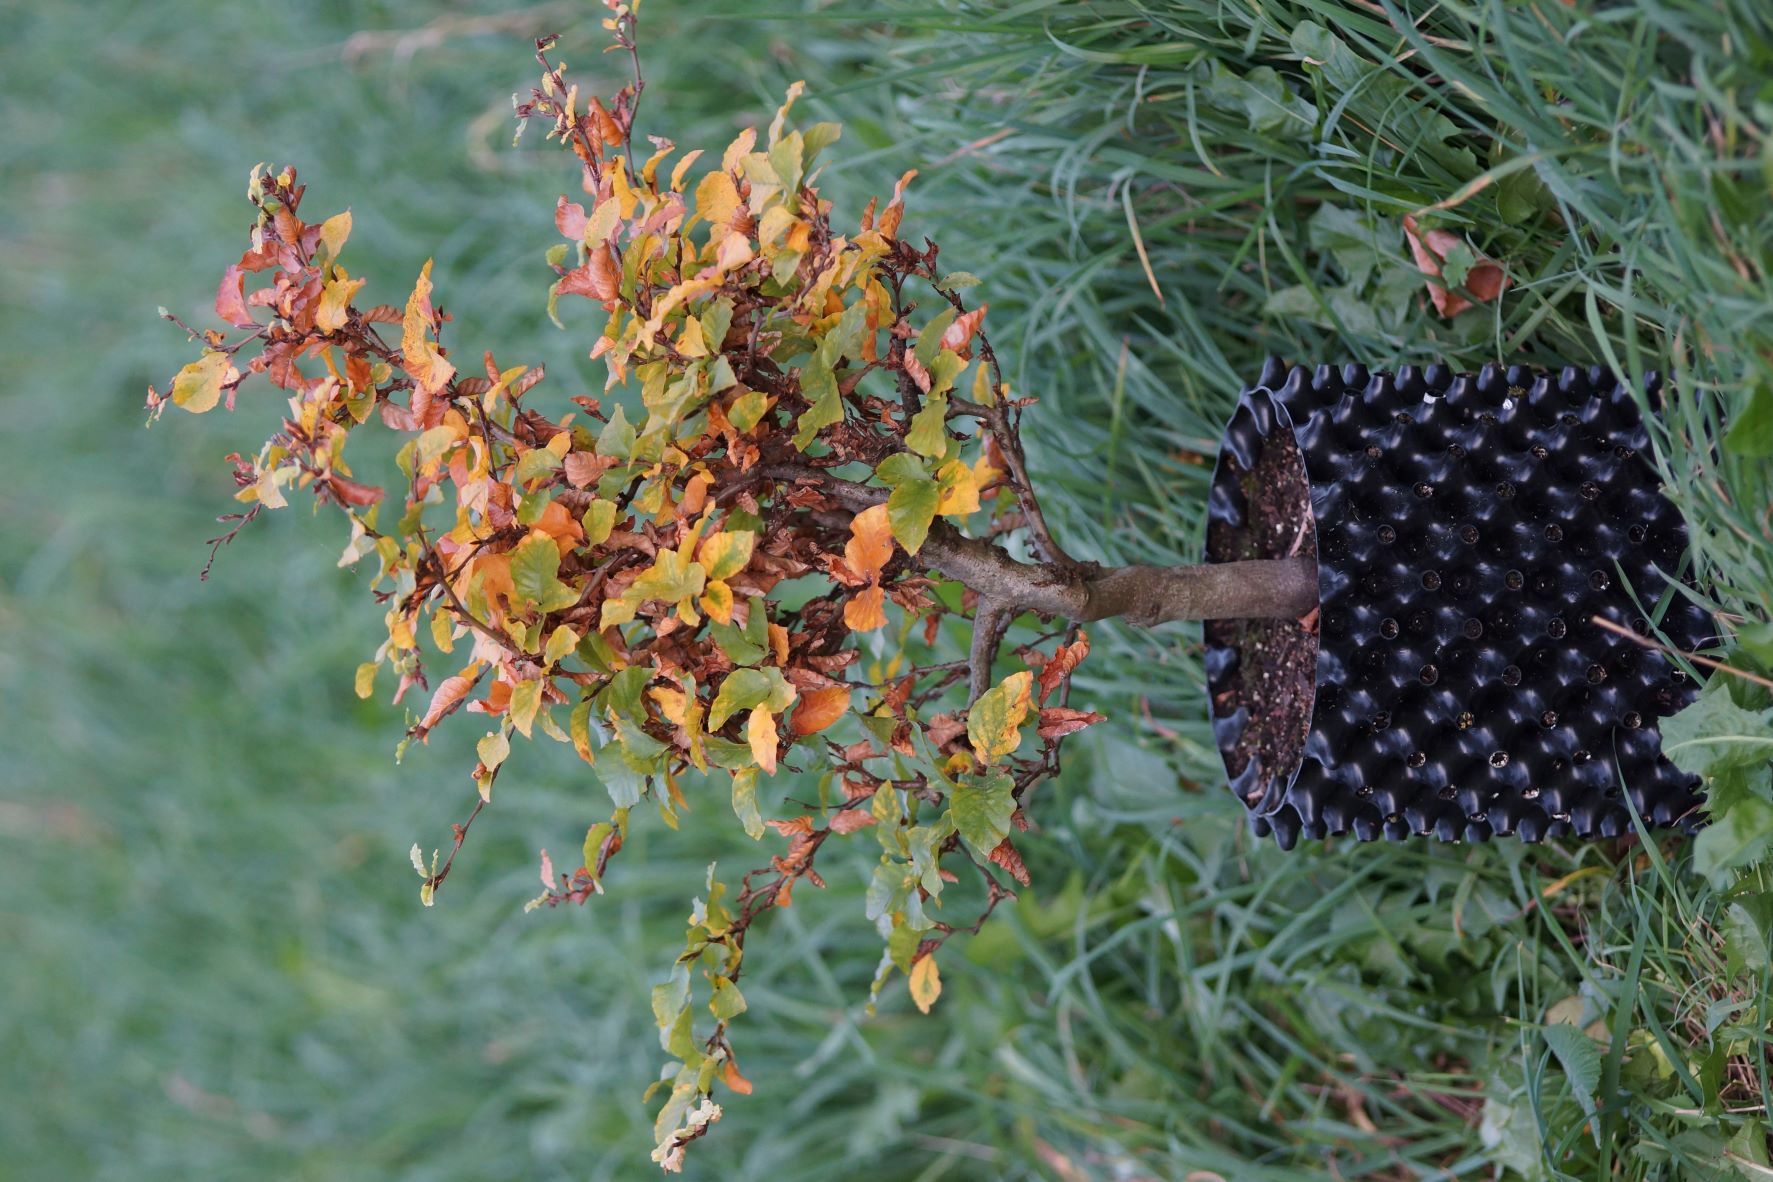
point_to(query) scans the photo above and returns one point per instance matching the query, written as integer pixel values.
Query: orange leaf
(729, 1072)
(963, 328)
(871, 541)
(451, 691)
(866, 611)
(820, 708)
(418, 355)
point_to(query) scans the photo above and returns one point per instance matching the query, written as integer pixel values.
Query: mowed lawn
(213, 962)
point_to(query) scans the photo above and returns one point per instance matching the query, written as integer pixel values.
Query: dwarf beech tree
(748, 570)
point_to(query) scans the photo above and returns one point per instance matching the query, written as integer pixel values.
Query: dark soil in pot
(1467, 529)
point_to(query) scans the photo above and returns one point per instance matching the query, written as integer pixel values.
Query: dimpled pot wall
(1466, 529)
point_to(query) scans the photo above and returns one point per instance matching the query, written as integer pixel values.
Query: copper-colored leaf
(1058, 721)
(1484, 281)
(820, 708)
(419, 356)
(569, 219)
(1007, 856)
(449, 693)
(850, 820)
(230, 298)
(1054, 673)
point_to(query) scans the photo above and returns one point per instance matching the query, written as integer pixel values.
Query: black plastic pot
(1467, 529)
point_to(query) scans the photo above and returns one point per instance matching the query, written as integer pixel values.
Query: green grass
(215, 963)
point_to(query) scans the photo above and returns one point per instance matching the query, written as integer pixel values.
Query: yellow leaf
(725, 554)
(561, 642)
(366, 679)
(333, 232)
(779, 643)
(926, 983)
(717, 601)
(419, 357)
(760, 731)
(671, 703)
(198, 386)
(335, 298)
(993, 720)
(683, 166)
(957, 492)
(717, 198)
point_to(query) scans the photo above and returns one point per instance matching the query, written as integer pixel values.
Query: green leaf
(599, 520)
(929, 428)
(617, 437)
(198, 386)
(982, 808)
(745, 800)
(747, 409)
(1581, 1059)
(671, 997)
(670, 578)
(1714, 734)
(744, 688)
(623, 697)
(1751, 432)
(1262, 97)
(534, 463)
(494, 749)
(727, 1001)
(818, 385)
(845, 338)
(943, 370)
(1740, 832)
(535, 568)
(929, 341)
(910, 509)
(594, 839)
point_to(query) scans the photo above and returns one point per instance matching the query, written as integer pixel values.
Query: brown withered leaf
(1058, 721)
(1006, 855)
(1054, 672)
(850, 820)
(1483, 282)
(598, 278)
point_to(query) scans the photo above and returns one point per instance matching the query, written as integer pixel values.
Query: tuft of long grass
(216, 964)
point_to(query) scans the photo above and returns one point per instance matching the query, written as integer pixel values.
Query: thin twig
(1647, 642)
